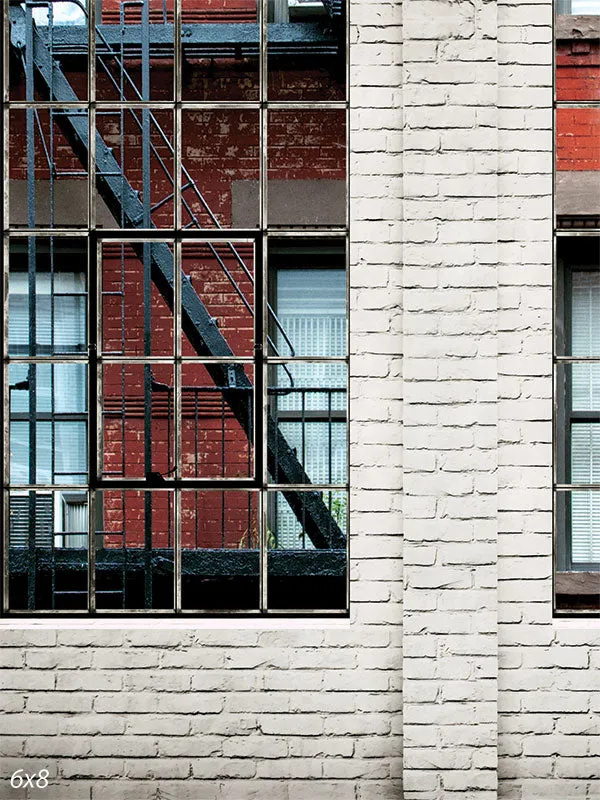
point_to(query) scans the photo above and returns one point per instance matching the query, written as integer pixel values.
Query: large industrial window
(577, 308)
(175, 336)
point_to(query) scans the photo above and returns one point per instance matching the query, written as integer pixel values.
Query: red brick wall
(578, 139)
(578, 129)
(578, 70)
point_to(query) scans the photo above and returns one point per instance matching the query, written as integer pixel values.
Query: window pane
(41, 196)
(307, 403)
(46, 304)
(135, 168)
(220, 556)
(585, 387)
(578, 139)
(137, 421)
(120, 72)
(221, 162)
(578, 6)
(60, 32)
(306, 560)
(129, 327)
(217, 421)
(134, 550)
(585, 527)
(46, 571)
(585, 313)
(221, 276)
(48, 423)
(306, 48)
(220, 44)
(307, 298)
(311, 307)
(577, 295)
(577, 60)
(306, 168)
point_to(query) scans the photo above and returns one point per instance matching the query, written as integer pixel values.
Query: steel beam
(213, 40)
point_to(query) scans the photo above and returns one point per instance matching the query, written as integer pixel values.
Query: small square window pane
(137, 421)
(307, 554)
(307, 443)
(48, 423)
(307, 298)
(306, 154)
(47, 297)
(41, 197)
(220, 277)
(220, 550)
(126, 168)
(135, 538)
(64, 25)
(220, 48)
(119, 68)
(129, 273)
(221, 164)
(217, 421)
(47, 551)
(306, 50)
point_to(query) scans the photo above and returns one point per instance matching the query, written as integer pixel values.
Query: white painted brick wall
(288, 713)
(450, 677)
(549, 678)
(450, 392)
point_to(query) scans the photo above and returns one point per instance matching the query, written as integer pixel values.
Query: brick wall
(578, 139)
(578, 70)
(450, 89)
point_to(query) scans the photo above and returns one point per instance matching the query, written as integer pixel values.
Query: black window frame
(260, 485)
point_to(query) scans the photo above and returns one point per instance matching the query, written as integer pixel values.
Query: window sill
(170, 623)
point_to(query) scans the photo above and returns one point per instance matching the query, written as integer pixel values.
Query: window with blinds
(59, 305)
(58, 418)
(19, 515)
(585, 397)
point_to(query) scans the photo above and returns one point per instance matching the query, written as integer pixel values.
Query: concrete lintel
(583, 26)
(577, 192)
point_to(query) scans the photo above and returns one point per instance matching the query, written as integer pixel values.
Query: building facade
(469, 663)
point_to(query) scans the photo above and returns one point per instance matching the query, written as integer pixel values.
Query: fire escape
(40, 49)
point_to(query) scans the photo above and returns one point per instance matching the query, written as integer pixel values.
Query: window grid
(260, 485)
(571, 495)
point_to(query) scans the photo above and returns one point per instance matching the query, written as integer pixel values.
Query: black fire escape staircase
(124, 203)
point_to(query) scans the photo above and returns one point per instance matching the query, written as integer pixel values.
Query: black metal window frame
(574, 258)
(576, 589)
(84, 113)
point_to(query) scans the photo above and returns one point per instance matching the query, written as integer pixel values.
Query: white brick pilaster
(450, 249)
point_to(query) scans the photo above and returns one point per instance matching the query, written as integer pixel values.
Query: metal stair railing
(197, 324)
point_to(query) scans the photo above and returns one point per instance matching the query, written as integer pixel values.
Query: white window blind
(585, 436)
(66, 319)
(75, 522)
(19, 520)
(61, 444)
